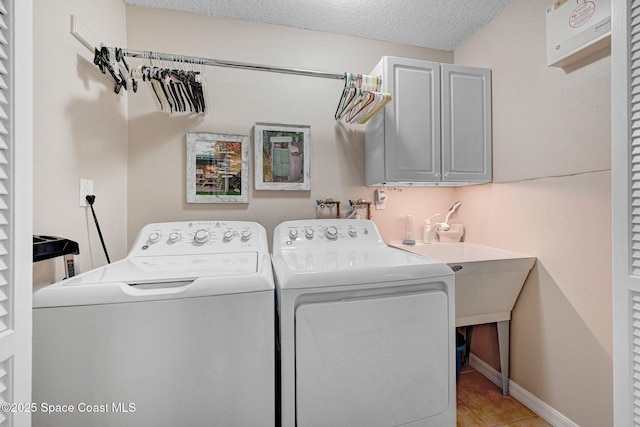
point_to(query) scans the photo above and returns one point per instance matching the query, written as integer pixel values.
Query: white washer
(367, 332)
(180, 332)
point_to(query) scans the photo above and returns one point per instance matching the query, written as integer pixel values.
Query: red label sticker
(582, 14)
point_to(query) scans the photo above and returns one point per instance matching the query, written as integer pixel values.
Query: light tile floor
(481, 404)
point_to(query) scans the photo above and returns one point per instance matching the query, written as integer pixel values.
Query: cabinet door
(466, 124)
(412, 120)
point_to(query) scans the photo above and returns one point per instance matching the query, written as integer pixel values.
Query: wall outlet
(380, 199)
(86, 189)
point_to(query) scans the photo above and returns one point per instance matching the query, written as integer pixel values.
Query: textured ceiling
(439, 24)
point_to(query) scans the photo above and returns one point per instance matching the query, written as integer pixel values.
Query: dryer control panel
(315, 232)
(199, 237)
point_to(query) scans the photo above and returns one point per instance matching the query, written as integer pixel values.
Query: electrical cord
(91, 199)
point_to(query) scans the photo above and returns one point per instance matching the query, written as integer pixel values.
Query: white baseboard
(544, 411)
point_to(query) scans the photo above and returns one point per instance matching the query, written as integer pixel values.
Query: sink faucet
(451, 211)
(428, 235)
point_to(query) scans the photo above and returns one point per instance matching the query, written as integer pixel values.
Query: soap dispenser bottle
(408, 239)
(426, 235)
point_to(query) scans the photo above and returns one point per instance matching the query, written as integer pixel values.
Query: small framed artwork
(217, 168)
(282, 157)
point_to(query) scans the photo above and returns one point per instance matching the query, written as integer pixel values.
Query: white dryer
(366, 331)
(179, 333)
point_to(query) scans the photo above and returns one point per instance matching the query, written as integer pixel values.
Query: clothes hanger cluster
(112, 60)
(177, 90)
(360, 98)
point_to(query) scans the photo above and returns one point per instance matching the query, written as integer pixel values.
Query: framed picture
(282, 157)
(217, 168)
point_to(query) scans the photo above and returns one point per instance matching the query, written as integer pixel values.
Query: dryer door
(375, 361)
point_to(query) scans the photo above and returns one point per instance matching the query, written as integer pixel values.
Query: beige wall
(551, 162)
(240, 98)
(551, 199)
(80, 131)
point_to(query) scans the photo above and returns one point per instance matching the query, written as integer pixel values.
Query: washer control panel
(309, 233)
(199, 237)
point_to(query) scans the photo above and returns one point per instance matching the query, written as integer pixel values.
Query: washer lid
(161, 277)
(302, 268)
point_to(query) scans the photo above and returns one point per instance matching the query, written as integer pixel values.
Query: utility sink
(488, 280)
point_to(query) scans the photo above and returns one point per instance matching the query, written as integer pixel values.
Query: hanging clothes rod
(229, 64)
(84, 36)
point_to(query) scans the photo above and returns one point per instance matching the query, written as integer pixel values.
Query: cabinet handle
(447, 175)
(438, 175)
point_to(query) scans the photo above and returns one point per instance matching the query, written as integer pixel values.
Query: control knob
(331, 232)
(353, 232)
(308, 233)
(201, 236)
(174, 237)
(293, 234)
(246, 235)
(227, 236)
(154, 237)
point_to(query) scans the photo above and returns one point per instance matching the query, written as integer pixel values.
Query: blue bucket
(461, 343)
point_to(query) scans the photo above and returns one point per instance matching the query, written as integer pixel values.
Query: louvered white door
(16, 104)
(626, 210)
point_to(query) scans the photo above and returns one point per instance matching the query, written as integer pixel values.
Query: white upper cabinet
(466, 124)
(437, 128)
